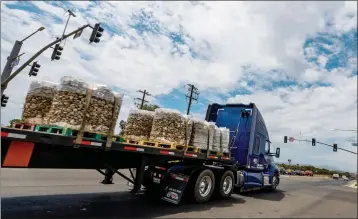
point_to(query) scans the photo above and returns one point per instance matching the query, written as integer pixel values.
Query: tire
(204, 186)
(226, 186)
(275, 182)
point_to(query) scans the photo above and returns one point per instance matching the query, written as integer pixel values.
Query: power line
(142, 100)
(192, 94)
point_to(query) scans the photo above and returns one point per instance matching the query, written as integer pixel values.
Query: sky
(297, 61)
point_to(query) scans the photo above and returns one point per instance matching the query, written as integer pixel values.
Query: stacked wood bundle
(225, 139)
(69, 104)
(139, 125)
(211, 128)
(38, 101)
(217, 139)
(169, 126)
(200, 134)
(189, 128)
(99, 115)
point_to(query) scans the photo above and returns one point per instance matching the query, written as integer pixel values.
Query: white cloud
(315, 112)
(225, 36)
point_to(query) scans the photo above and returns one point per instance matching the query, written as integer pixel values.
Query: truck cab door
(257, 155)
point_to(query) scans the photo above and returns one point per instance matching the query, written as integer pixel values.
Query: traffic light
(96, 33)
(4, 100)
(285, 139)
(57, 52)
(335, 148)
(313, 142)
(34, 69)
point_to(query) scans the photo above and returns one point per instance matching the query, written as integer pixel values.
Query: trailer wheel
(204, 186)
(226, 184)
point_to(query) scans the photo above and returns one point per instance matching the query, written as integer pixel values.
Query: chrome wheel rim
(227, 185)
(205, 186)
(274, 182)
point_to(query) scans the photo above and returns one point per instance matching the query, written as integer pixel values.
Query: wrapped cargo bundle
(200, 134)
(211, 127)
(139, 125)
(225, 139)
(169, 126)
(100, 111)
(38, 101)
(69, 104)
(189, 127)
(217, 139)
(118, 100)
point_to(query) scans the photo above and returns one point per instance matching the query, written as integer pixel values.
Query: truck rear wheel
(204, 186)
(226, 184)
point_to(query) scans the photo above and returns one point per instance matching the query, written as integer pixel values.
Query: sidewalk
(352, 184)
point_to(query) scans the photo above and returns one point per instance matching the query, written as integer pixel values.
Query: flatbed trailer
(31, 149)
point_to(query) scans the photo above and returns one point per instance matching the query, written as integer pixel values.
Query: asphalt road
(77, 194)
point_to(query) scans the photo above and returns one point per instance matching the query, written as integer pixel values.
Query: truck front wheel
(204, 186)
(226, 184)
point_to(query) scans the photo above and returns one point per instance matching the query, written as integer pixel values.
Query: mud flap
(173, 193)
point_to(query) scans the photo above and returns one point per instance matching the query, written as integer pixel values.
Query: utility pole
(142, 100)
(192, 94)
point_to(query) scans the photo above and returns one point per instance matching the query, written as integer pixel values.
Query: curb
(353, 184)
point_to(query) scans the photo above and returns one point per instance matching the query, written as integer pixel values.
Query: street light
(40, 29)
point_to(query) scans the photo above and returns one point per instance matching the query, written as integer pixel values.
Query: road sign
(291, 139)
(77, 34)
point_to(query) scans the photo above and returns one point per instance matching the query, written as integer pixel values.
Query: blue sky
(288, 60)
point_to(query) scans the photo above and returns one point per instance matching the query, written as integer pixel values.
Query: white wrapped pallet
(189, 128)
(225, 139)
(217, 139)
(38, 101)
(139, 125)
(211, 127)
(200, 134)
(69, 103)
(99, 114)
(169, 126)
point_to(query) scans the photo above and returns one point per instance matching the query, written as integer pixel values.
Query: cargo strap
(80, 133)
(115, 112)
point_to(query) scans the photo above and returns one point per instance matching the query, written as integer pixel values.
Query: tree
(150, 107)
(15, 121)
(122, 126)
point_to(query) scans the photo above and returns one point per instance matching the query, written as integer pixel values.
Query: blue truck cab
(249, 142)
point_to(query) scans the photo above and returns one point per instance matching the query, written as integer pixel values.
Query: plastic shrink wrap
(69, 103)
(200, 134)
(139, 125)
(38, 101)
(99, 114)
(169, 126)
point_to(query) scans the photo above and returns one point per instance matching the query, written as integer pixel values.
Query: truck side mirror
(278, 152)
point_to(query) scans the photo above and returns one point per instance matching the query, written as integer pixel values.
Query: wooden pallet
(211, 152)
(149, 143)
(129, 141)
(192, 149)
(225, 154)
(24, 126)
(171, 146)
(54, 129)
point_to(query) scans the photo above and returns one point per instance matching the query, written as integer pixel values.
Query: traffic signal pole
(317, 142)
(5, 82)
(9, 66)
